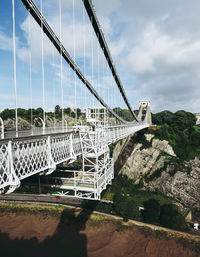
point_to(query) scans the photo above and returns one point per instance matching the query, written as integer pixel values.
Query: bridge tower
(144, 112)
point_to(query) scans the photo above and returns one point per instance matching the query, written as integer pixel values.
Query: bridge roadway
(43, 198)
(25, 156)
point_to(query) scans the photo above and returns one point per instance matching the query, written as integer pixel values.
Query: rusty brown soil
(75, 233)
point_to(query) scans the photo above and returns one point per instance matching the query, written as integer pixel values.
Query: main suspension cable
(35, 12)
(96, 26)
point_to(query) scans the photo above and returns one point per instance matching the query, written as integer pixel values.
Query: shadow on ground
(66, 241)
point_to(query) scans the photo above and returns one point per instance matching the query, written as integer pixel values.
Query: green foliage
(178, 129)
(57, 109)
(123, 113)
(123, 185)
(5, 114)
(78, 112)
(158, 208)
(167, 215)
(126, 206)
(180, 119)
(98, 206)
(156, 174)
(67, 110)
(140, 138)
(36, 113)
(112, 147)
(73, 115)
(151, 211)
(21, 208)
(171, 218)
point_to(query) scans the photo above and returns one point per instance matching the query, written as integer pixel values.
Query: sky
(155, 46)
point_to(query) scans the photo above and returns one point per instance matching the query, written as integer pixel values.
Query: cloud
(167, 70)
(155, 46)
(161, 57)
(117, 47)
(6, 43)
(156, 51)
(32, 32)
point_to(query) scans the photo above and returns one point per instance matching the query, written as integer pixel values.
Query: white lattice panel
(61, 148)
(30, 157)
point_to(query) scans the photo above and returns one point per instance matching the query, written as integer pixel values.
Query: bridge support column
(72, 154)
(51, 163)
(14, 181)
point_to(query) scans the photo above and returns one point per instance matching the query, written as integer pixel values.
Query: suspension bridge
(40, 150)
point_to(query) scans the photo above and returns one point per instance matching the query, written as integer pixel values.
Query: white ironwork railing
(24, 157)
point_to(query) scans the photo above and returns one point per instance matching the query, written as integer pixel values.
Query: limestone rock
(22, 124)
(182, 185)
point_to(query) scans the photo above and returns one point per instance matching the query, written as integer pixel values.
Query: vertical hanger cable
(61, 64)
(14, 66)
(43, 83)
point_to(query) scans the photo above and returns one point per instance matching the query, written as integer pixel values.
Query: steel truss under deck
(97, 168)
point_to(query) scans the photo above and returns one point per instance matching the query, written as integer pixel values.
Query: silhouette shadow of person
(68, 240)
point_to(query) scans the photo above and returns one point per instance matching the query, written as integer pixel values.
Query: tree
(124, 113)
(38, 112)
(151, 211)
(78, 112)
(120, 204)
(57, 109)
(183, 119)
(7, 114)
(171, 218)
(161, 118)
(73, 114)
(67, 110)
(126, 206)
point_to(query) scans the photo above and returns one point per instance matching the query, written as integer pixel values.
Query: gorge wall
(156, 168)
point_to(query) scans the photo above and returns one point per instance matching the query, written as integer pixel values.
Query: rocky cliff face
(157, 168)
(24, 125)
